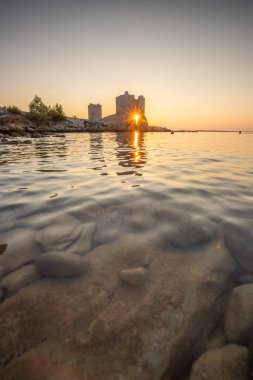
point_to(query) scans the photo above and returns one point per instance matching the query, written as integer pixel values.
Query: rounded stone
(239, 315)
(239, 240)
(189, 232)
(134, 276)
(62, 232)
(226, 363)
(61, 264)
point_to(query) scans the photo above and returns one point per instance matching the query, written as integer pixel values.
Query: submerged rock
(108, 226)
(48, 360)
(134, 276)
(190, 232)
(21, 249)
(13, 142)
(61, 264)
(239, 315)
(239, 240)
(14, 281)
(217, 339)
(227, 363)
(246, 278)
(142, 217)
(83, 243)
(137, 333)
(64, 230)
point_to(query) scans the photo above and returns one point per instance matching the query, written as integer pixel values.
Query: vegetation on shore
(12, 109)
(39, 111)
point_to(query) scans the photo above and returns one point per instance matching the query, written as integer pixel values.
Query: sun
(136, 118)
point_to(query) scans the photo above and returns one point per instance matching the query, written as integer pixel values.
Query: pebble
(134, 276)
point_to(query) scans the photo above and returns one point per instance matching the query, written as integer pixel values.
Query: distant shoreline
(21, 126)
(212, 131)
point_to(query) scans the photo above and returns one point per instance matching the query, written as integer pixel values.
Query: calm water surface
(130, 178)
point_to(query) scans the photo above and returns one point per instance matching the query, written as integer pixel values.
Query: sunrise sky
(192, 60)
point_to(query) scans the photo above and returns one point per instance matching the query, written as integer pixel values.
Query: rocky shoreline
(79, 299)
(20, 126)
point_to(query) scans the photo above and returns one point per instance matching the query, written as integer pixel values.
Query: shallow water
(126, 183)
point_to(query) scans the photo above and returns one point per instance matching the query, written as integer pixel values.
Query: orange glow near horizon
(201, 80)
(177, 112)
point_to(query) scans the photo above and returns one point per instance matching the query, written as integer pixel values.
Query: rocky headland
(21, 126)
(82, 301)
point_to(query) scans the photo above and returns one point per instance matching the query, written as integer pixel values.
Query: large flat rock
(112, 330)
(48, 360)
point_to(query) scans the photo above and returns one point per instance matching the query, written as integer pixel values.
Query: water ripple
(207, 175)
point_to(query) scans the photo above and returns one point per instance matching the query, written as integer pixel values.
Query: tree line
(39, 111)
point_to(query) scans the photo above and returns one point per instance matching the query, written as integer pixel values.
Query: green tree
(56, 113)
(41, 112)
(38, 110)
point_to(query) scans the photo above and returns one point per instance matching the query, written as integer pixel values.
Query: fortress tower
(94, 112)
(126, 107)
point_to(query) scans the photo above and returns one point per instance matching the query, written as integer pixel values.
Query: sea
(133, 182)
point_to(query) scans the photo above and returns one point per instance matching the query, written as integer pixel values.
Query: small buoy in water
(240, 132)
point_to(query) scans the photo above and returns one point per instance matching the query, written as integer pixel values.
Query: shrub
(14, 109)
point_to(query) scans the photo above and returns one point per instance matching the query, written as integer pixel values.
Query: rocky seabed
(82, 300)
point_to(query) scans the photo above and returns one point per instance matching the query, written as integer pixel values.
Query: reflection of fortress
(126, 107)
(131, 150)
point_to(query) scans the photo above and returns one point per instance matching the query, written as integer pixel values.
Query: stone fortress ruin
(94, 112)
(127, 106)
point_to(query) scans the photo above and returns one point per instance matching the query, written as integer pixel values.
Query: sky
(192, 60)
